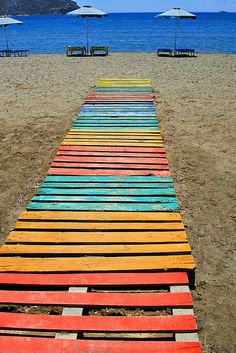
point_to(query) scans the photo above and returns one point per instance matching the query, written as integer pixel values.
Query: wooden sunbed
(75, 51)
(103, 51)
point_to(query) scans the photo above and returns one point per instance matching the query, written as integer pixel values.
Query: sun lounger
(164, 52)
(19, 52)
(184, 52)
(99, 51)
(75, 51)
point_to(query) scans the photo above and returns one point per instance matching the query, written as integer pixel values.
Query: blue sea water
(124, 32)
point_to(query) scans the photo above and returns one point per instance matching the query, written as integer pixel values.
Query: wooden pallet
(93, 240)
(111, 334)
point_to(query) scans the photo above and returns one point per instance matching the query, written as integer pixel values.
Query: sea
(123, 32)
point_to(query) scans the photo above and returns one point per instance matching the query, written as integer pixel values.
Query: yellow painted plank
(98, 263)
(109, 143)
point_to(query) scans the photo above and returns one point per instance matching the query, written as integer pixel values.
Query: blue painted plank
(123, 199)
(85, 206)
(106, 192)
(127, 186)
(114, 179)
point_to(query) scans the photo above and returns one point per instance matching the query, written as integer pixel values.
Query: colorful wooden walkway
(102, 241)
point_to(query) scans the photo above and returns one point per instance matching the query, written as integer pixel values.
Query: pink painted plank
(111, 165)
(177, 323)
(111, 160)
(74, 171)
(143, 300)
(50, 345)
(96, 279)
(127, 149)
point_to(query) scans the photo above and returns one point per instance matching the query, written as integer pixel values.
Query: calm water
(133, 32)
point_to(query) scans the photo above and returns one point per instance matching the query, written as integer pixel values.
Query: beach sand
(40, 97)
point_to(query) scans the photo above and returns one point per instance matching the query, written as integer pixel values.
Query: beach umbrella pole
(5, 31)
(176, 30)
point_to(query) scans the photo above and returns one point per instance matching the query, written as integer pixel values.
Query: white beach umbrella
(87, 12)
(7, 21)
(178, 14)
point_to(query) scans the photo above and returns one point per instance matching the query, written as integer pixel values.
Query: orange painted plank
(101, 216)
(96, 279)
(113, 149)
(97, 263)
(95, 249)
(66, 237)
(60, 225)
(176, 323)
(49, 345)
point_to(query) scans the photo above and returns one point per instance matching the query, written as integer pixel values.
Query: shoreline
(42, 94)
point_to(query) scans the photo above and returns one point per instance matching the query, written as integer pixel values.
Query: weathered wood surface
(48, 345)
(92, 300)
(97, 263)
(176, 323)
(96, 279)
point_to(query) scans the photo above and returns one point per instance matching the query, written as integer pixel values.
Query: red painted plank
(96, 279)
(69, 171)
(127, 149)
(178, 323)
(114, 166)
(50, 345)
(143, 300)
(147, 156)
(111, 160)
(111, 165)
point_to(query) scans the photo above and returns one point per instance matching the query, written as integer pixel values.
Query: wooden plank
(128, 133)
(48, 345)
(114, 149)
(97, 264)
(97, 237)
(110, 127)
(180, 323)
(92, 300)
(102, 225)
(151, 187)
(101, 216)
(100, 172)
(114, 166)
(96, 279)
(116, 199)
(78, 142)
(49, 250)
(49, 190)
(114, 159)
(111, 179)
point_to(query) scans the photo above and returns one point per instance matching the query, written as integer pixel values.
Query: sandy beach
(40, 97)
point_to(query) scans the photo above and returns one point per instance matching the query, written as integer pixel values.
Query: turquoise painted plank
(114, 121)
(127, 126)
(144, 186)
(131, 109)
(111, 179)
(144, 114)
(85, 206)
(69, 198)
(113, 128)
(107, 192)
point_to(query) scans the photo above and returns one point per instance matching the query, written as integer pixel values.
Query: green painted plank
(106, 192)
(143, 114)
(111, 179)
(122, 89)
(123, 199)
(85, 206)
(144, 186)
